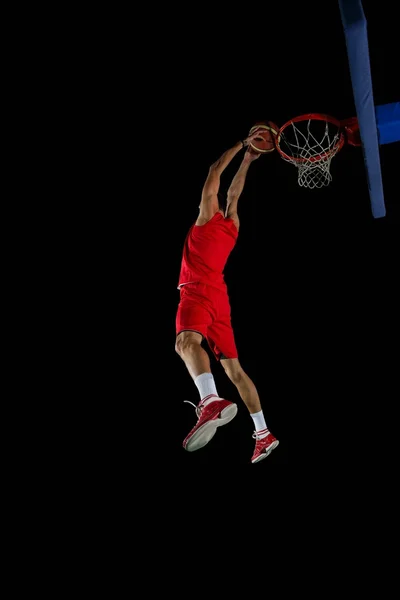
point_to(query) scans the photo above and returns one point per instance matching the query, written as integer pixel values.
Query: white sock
(206, 385)
(260, 424)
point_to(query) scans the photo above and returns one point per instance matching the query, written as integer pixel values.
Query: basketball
(265, 141)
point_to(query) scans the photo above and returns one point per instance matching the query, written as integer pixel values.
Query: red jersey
(206, 251)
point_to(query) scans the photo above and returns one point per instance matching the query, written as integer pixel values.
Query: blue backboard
(378, 124)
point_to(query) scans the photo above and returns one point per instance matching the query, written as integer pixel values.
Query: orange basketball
(265, 141)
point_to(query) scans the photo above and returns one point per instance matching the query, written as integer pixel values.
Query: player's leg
(189, 348)
(265, 440)
(244, 385)
(224, 347)
(194, 316)
(223, 336)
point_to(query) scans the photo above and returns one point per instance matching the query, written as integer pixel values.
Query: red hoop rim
(312, 117)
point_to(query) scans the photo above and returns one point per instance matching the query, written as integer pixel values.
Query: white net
(310, 145)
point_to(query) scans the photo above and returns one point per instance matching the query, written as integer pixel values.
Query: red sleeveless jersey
(206, 251)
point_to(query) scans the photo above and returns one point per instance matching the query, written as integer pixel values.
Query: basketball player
(204, 309)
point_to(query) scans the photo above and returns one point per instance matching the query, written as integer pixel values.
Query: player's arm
(237, 185)
(209, 196)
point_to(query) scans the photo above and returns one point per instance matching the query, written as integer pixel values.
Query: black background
(308, 276)
(312, 278)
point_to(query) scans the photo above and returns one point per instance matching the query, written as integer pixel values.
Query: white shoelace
(201, 406)
(197, 408)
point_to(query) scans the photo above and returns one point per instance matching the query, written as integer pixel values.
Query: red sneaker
(263, 447)
(216, 413)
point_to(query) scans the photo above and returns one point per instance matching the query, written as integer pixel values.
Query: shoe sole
(206, 432)
(267, 453)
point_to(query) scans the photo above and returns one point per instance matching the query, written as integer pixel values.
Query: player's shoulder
(234, 218)
(204, 219)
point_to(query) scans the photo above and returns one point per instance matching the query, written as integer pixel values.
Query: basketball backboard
(377, 124)
(311, 141)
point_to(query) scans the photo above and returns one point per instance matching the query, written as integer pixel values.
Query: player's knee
(185, 343)
(236, 376)
(234, 370)
(178, 346)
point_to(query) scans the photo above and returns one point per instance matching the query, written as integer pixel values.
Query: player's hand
(251, 155)
(253, 135)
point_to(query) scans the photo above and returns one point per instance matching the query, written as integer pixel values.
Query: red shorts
(207, 310)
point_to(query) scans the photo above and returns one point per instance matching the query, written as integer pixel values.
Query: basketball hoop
(311, 141)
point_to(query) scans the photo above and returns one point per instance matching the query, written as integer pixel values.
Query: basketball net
(310, 144)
